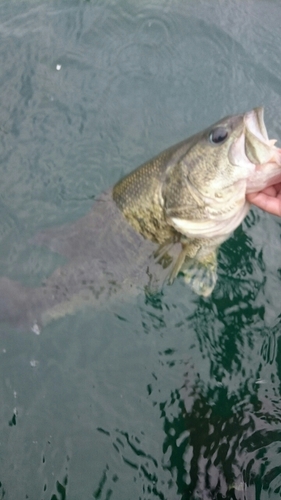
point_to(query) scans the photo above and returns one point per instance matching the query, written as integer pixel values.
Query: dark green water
(176, 398)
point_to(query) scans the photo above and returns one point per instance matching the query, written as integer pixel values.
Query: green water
(172, 398)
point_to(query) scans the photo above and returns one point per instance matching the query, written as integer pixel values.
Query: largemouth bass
(169, 215)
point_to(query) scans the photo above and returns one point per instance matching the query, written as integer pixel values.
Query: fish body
(195, 192)
(167, 216)
(103, 259)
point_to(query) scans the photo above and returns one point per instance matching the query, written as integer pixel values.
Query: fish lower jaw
(210, 228)
(264, 177)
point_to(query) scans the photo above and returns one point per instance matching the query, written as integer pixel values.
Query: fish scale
(169, 215)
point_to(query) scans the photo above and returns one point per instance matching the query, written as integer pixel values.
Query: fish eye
(218, 135)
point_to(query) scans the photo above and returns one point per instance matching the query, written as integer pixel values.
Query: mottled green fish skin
(137, 196)
(168, 215)
(145, 195)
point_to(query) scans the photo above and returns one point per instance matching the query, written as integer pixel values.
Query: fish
(167, 217)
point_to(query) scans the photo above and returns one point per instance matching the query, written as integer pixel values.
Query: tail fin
(16, 305)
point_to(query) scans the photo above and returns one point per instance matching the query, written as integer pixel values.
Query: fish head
(203, 194)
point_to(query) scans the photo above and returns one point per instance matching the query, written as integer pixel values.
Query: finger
(270, 204)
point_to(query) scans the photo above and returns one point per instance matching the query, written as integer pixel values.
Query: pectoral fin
(199, 270)
(201, 274)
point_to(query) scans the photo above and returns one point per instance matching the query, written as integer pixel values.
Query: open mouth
(258, 148)
(256, 154)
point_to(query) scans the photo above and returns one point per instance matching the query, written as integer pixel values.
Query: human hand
(269, 199)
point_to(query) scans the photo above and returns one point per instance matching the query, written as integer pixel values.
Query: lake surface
(173, 398)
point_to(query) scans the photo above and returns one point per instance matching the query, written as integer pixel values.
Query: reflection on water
(168, 396)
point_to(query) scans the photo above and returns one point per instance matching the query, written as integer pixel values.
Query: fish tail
(17, 305)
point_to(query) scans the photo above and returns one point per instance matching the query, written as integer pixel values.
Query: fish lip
(258, 148)
(254, 123)
(252, 146)
(261, 152)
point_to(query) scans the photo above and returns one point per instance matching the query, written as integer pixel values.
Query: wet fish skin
(195, 192)
(168, 215)
(167, 184)
(99, 266)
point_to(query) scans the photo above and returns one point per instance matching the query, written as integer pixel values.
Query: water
(176, 397)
